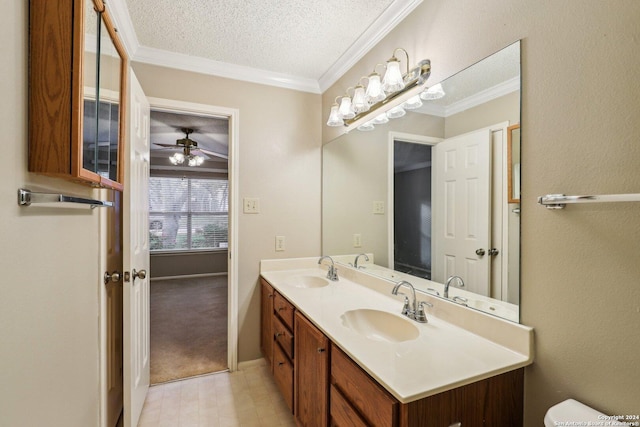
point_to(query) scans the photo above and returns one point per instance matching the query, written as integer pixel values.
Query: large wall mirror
(429, 195)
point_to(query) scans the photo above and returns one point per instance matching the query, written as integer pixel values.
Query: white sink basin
(307, 282)
(380, 325)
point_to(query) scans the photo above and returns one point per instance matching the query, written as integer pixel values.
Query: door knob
(113, 277)
(142, 274)
(480, 252)
(493, 251)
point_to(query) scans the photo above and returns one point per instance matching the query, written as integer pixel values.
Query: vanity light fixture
(394, 92)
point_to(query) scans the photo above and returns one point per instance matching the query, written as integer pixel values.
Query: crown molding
(382, 26)
(486, 95)
(197, 64)
(386, 22)
(479, 98)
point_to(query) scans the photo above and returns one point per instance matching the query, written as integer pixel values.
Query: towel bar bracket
(27, 198)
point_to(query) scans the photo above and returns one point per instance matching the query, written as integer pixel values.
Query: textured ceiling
(303, 38)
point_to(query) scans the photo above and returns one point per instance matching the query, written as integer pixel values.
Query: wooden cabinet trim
(283, 337)
(342, 414)
(374, 403)
(311, 384)
(283, 375)
(284, 309)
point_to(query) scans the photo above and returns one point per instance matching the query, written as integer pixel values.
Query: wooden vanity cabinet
(311, 374)
(323, 386)
(266, 314)
(77, 77)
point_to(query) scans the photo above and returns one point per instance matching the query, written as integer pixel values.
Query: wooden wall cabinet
(77, 77)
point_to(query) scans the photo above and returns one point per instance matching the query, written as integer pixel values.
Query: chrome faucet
(332, 274)
(412, 310)
(355, 263)
(449, 280)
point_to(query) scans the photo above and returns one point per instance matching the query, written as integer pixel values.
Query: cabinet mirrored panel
(75, 124)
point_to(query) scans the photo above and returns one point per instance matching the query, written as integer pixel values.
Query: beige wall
(580, 128)
(49, 264)
(497, 110)
(280, 140)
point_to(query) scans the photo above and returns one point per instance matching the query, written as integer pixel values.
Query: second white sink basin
(307, 282)
(379, 325)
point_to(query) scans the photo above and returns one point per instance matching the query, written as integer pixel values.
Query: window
(188, 213)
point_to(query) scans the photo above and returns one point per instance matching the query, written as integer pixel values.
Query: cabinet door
(374, 404)
(77, 74)
(266, 312)
(311, 373)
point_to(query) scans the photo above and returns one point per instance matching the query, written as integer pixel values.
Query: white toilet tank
(573, 413)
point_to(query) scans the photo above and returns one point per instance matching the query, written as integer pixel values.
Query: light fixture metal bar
(416, 77)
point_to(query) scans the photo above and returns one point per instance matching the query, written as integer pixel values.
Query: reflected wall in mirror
(427, 194)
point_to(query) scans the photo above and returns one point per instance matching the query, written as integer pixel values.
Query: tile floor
(247, 397)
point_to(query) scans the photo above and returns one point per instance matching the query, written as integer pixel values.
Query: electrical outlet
(251, 205)
(357, 240)
(279, 243)
(378, 207)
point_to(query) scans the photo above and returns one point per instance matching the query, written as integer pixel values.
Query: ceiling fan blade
(211, 153)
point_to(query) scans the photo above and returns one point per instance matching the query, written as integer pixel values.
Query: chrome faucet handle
(433, 291)
(420, 315)
(332, 274)
(406, 309)
(460, 300)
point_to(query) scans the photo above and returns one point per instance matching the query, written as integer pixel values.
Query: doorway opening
(412, 208)
(189, 242)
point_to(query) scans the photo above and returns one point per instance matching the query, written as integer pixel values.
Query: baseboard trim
(189, 276)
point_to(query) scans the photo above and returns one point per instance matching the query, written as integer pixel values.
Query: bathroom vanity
(342, 354)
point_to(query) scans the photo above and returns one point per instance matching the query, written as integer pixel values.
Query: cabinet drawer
(283, 336)
(283, 374)
(284, 310)
(376, 406)
(342, 414)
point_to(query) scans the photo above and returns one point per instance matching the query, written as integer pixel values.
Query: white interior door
(461, 210)
(136, 256)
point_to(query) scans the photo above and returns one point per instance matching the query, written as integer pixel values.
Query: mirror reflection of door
(462, 199)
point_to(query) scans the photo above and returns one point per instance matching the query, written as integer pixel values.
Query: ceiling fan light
(177, 158)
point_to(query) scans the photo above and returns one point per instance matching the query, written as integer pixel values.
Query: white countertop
(443, 356)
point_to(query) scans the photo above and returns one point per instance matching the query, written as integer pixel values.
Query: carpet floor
(188, 327)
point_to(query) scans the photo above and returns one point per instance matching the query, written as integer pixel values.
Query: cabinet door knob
(280, 363)
(320, 350)
(279, 334)
(282, 308)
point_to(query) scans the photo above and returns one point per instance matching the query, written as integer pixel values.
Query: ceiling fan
(191, 153)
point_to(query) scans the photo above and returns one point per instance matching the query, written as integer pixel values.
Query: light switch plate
(251, 205)
(279, 243)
